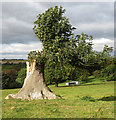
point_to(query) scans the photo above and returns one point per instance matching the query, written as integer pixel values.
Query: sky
(18, 38)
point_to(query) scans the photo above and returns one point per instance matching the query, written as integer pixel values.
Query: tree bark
(34, 87)
(56, 84)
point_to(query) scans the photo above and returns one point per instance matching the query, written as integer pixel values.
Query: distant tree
(104, 58)
(5, 81)
(21, 77)
(9, 78)
(84, 47)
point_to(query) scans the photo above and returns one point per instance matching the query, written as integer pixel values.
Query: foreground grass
(93, 100)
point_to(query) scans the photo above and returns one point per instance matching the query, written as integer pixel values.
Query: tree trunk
(34, 87)
(56, 84)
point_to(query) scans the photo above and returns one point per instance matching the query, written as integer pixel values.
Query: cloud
(14, 56)
(17, 31)
(99, 43)
(97, 30)
(96, 26)
(96, 19)
(58, 1)
(18, 20)
(18, 49)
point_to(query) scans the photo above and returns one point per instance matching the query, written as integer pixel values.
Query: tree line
(11, 73)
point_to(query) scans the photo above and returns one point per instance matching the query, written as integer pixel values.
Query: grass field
(92, 100)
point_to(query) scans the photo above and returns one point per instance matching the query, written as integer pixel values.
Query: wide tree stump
(34, 86)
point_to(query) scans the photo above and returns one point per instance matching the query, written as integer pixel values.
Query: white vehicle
(72, 83)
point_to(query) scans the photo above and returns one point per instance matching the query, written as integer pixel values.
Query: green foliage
(53, 73)
(79, 74)
(96, 73)
(21, 76)
(55, 32)
(107, 50)
(84, 48)
(8, 66)
(5, 80)
(103, 58)
(109, 72)
(67, 73)
(84, 75)
(9, 74)
(64, 53)
(40, 59)
(51, 26)
(8, 78)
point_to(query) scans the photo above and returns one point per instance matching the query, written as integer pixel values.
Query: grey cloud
(14, 56)
(17, 31)
(98, 30)
(92, 13)
(17, 22)
(24, 14)
(83, 12)
(20, 53)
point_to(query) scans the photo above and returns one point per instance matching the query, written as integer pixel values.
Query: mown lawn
(93, 100)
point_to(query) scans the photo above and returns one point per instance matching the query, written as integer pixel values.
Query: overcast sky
(18, 38)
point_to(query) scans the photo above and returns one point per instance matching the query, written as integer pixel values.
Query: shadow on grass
(91, 99)
(69, 86)
(108, 98)
(92, 84)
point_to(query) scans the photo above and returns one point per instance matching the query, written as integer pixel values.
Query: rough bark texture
(34, 87)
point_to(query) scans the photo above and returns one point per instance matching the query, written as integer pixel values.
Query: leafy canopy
(51, 26)
(55, 32)
(61, 48)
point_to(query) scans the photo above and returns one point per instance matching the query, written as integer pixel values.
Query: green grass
(89, 100)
